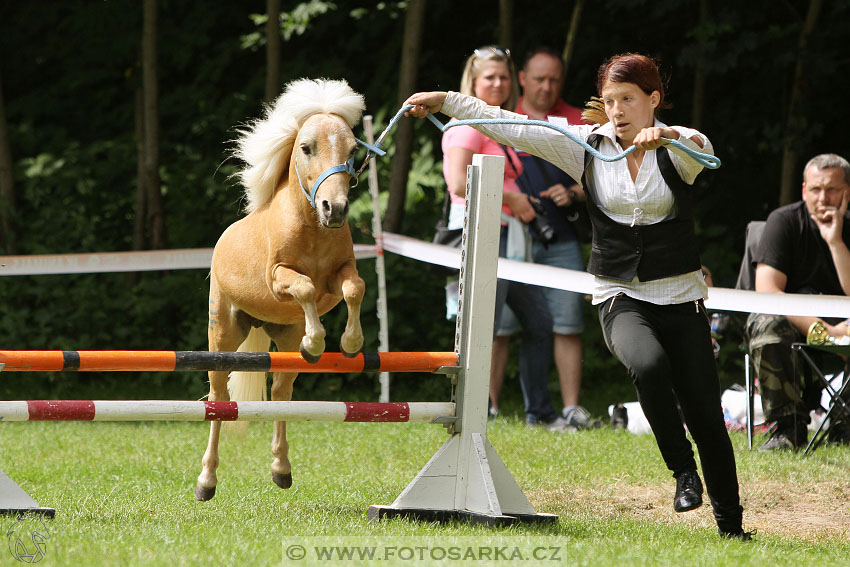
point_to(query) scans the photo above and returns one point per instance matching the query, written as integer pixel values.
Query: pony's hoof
(204, 493)
(347, 354)
(282, 480)
(311, 358)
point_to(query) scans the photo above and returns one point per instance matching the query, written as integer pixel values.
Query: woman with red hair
(644, 256)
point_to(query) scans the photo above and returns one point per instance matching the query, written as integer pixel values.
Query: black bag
(577, 211)
(447, 237)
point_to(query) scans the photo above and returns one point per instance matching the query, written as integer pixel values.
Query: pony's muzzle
(333, 214)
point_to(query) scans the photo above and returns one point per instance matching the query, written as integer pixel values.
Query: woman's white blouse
(647, 200)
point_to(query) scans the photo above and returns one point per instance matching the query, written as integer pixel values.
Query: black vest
(653, 251)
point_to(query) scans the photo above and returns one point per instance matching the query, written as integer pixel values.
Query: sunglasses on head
(497, 51)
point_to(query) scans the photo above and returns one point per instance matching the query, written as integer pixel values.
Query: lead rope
(706, 160)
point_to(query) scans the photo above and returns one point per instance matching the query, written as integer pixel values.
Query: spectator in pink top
(489, 75)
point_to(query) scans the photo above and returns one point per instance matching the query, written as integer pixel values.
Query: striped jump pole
(169, 361)
(160, 410)
(465, 479)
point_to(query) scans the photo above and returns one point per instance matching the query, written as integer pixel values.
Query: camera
(545, 233)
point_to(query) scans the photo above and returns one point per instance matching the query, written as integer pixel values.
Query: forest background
(116, 119)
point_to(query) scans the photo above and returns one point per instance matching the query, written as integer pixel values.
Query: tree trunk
(698, 100)
(506, 23)
(155, 210)
(403, 136)
(272, 50)
(8, 242)
(141, 192)
(793, 125)
(571, 35)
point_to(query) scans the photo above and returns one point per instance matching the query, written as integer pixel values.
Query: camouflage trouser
(783, 392)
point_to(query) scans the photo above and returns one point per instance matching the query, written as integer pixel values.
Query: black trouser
(667, 351)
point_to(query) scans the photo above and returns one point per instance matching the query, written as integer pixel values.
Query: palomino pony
(291, 259)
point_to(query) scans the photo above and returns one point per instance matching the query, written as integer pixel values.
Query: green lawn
(123, 495)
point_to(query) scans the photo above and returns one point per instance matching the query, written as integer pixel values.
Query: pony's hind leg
(352, 288)
(285, 337)
(226, 332)
(281, 467)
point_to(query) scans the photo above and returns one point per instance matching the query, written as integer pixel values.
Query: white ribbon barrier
(720, 299)
(105, 262)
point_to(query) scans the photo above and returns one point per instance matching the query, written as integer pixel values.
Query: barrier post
(14, 500)
(380, 271)
(466, 479)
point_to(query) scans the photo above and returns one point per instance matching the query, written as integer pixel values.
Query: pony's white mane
(266, 144)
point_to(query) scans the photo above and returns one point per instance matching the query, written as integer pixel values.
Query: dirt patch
(809, 511)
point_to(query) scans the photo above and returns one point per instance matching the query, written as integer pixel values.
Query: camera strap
(511, 161)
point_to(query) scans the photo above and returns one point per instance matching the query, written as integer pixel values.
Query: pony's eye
(306, 149)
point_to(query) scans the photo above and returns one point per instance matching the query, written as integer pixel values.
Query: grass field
(123, 495)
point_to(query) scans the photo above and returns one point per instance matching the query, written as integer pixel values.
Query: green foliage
(71, 72)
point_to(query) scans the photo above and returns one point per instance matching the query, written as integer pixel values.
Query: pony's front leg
(285, 281)
(281, 467)
(351, 286)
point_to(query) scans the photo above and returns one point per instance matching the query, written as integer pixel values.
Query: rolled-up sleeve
(685, 165)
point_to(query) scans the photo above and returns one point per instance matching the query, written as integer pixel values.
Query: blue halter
(347, 167)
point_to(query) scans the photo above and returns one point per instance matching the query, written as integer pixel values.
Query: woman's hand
(520, 207)
(838, 330)
(562, 196)
(650, 138)
(423, 103)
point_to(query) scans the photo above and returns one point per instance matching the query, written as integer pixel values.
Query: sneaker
(492, 414)
(557, 425)
(784, 437)
(576, 418)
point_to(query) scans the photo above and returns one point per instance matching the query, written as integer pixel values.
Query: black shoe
(739, 534)
(688, 491)
(840, 433)
(786, 436)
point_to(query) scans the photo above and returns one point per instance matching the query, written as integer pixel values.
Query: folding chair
(747, 281)
(838, 408)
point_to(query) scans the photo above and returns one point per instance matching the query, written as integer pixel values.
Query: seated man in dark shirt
(804, 249)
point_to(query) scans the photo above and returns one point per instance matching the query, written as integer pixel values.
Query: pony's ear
(305, 97)
(266, 144)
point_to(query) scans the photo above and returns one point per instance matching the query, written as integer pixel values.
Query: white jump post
(15, 500)
(380, 271)
(466, 479)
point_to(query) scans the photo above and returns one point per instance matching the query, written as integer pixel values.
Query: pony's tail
(249, 386)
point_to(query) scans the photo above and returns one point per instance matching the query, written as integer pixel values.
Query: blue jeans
(566, 307)
(535, 355)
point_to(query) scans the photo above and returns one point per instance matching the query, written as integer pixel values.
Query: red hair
(633, 68)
